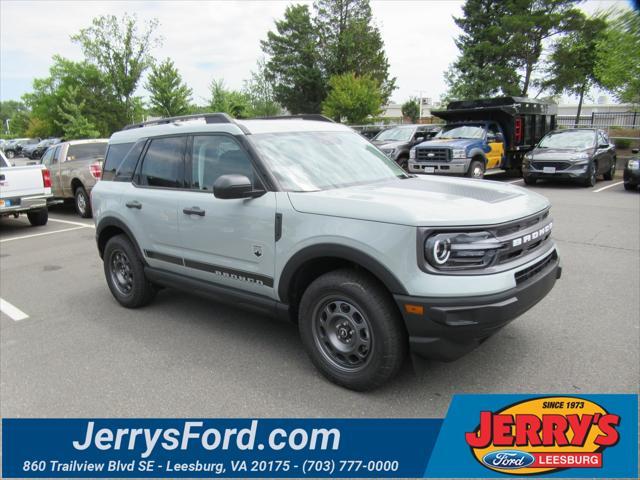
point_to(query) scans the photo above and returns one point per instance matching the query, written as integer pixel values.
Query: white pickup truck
(25, 189)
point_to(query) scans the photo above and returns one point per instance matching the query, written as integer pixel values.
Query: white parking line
(11, 311)
(22, 237)
(86, 225)
(515, 181)
(608, 186)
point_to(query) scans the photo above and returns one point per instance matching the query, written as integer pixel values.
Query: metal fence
(602, 119)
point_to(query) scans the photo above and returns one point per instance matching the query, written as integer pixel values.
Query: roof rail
(208, 117)
(302, 116)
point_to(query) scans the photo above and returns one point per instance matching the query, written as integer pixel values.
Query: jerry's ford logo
(533, 236)
(508, 459)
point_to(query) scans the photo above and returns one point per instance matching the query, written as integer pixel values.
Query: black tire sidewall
(142, 291)
(81, 191)
(389, 335)
(38, 218)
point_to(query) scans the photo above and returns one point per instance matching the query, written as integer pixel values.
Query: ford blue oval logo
(508, 459)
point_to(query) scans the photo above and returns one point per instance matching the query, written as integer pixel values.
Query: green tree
(353, 98)
(293, 65)
(502, 44)
(170, 96)
(237, 104)
(411, 109)
(122, 52)
(85, 84)
(9, 108)
(618, 56)
(260, 93)
(19, 123)
(72, 121)
(351, 42)
(572, 63)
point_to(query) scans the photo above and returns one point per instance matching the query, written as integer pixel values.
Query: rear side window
(216, 155)
(115, 154)
(163, 164)
(48, 158)
(86, 151)
(125, 170)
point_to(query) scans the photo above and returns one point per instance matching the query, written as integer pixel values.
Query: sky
(221, 39)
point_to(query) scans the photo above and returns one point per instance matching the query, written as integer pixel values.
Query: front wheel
(38, 218)
(591, 180)
(403, 162)
(83, 203)
(476, 169)
(124, 271)
(530, 181)
(10, 154)
(630, 186)
(352, 330)
(611, 173)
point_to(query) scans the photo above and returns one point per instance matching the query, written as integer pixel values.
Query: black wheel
(83, 203)
(10, 154)
(37, 218)
(630, 186)
(352, 330)
(124, 272)
(611, 173)
(591, 180)
(530, 181)
(476, 169)
(403, 162)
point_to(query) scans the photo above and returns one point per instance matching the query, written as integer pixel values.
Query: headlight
(457, 251)
(633, 164)
(580, 156)
(389, 151)
(412, 153)
(459, 153)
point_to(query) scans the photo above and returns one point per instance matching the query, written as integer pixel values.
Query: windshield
(396, 134)
(576, 139)
(310, 161)
(461, 131)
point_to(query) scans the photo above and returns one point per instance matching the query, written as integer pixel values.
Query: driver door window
(215, 155)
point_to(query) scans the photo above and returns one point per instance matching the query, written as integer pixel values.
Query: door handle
(193, 211)
(134, 204)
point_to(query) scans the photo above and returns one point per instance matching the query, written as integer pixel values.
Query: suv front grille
(433, 154)
(557, 165)
(535, 269)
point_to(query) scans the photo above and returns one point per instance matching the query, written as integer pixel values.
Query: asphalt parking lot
(78, 353)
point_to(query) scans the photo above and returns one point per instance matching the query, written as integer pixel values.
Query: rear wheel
(352, 330)
(10, 154)
(83, 203)
(476, 169)
(38, 218)
(630, 186)
(530, 181)
(611, 173)
(124, 271)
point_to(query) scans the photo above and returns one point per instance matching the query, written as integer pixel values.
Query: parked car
(577, 154)
(75, 166)
(396, 142)
(25, 189)
(631, 175)
(303, 218)
(36, 150)
(484, 136)
(14, 148)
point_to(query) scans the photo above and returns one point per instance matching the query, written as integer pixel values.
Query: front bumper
(448, 328)
(578, 172)
(455, 167)
(631, 176)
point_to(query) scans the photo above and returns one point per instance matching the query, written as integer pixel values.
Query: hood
(388, 143)
(558, 153)
(424, 201)
(449, 142)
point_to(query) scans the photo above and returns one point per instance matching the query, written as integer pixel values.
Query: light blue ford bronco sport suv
(303, 218)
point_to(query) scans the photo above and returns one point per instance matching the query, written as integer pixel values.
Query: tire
(591, 180)
(630, 187)
(124, 272)
(10, 154)
(352, 330)
(530, 181)
(611, 173)
(38, 218)
(476, 169)
(403, 162)
(82, 202)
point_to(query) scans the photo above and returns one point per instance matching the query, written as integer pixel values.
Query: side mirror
(635, 150)
(235, 186)
(419, 139)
